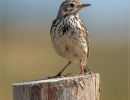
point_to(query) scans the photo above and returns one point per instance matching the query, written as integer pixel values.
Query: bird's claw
(67, 74)
(59, 75)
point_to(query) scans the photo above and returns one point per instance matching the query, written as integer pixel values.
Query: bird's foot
(88, 72)
(85, 72)
(59, 75)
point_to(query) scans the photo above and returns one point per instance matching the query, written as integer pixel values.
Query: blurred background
(27, 52)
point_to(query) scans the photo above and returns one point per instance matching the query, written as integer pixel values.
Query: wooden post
(84, 87)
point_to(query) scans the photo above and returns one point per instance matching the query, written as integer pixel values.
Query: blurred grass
(33, 59)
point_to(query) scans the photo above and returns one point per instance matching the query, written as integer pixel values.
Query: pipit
(69, 35)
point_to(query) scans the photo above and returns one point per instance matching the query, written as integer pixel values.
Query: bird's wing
(86, 35)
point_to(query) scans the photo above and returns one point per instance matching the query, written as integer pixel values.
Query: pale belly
(71, 49)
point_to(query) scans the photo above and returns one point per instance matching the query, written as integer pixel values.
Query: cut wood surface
(85, 87)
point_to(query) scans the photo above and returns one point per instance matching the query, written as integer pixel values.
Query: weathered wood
(67, 88)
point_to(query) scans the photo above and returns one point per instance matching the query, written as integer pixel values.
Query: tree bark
(84, 87)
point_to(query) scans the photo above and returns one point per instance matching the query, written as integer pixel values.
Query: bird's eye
(71, 5)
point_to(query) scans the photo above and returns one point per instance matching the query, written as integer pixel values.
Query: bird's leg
(84, 69)
(87, 70)
(81, 67)
(60, 73)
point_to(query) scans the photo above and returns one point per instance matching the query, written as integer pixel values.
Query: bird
(69, 35)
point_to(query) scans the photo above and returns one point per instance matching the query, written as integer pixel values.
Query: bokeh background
(27, 52)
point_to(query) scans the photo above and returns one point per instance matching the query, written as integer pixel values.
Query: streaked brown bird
(69, 36)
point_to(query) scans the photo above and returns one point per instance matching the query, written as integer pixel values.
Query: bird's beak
(84, 5)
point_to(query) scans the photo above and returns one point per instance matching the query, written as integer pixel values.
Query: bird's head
(71, 7)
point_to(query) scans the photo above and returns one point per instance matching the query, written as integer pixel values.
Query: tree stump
(84, 87)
